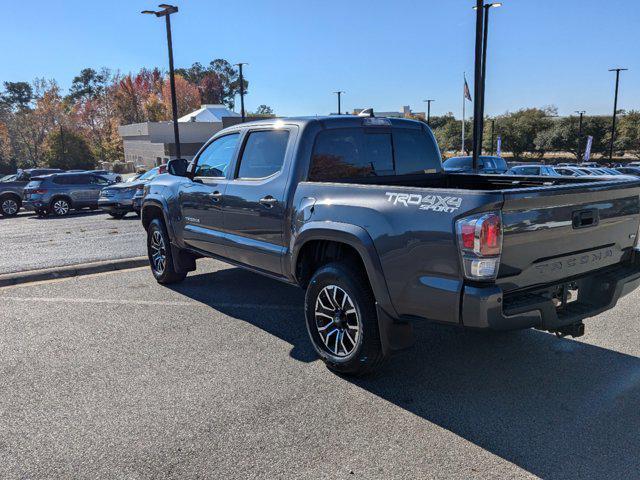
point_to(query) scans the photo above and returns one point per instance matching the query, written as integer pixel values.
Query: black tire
(359, 351)
(60, 206)
(9, 206)
(158, 243)
(118, 179)
(43, 212)
(117, 215)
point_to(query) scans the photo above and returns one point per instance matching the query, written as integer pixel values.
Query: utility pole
(428, 102)
(339, 93)
(581, 113)
(615, 110)
(241, 79)
(166, 12)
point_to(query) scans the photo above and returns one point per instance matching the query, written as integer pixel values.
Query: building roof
(209, 113)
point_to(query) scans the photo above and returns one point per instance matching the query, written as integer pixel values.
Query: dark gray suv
(59, 193)
(11, 188)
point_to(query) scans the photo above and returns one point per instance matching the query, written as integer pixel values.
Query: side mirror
(177, 167)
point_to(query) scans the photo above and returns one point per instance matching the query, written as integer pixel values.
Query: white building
(152, 143)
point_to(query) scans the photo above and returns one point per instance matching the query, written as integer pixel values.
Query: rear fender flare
(395, 334)
(354, 236)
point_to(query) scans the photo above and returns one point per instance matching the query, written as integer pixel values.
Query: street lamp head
(618, 69)
(148, 12)
(490, 5)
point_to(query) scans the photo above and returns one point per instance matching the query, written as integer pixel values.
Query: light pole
(581, 113)
(615, 109)
(339, 94)
(428, 102)
(477, 89)
(483, 82)
(166, 12)
(241, 78)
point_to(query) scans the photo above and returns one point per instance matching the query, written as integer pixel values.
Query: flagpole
(464, 106)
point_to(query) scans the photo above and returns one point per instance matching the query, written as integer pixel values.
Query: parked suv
(485, 165)
(59, 193)
(11, 188)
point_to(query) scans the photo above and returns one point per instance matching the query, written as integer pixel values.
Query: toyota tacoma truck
(359, 212)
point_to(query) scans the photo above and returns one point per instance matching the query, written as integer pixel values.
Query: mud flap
(395, 335)
(182, 261)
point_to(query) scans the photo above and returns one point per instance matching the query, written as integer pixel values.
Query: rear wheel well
(149, 213)
(317, 253)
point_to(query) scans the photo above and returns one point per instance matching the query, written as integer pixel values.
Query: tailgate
(558, 232)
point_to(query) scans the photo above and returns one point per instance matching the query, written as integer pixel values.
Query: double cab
(360, 213)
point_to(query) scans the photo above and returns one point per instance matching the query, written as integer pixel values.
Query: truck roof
(334, 121)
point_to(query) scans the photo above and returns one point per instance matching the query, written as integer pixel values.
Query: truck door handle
(215, 196)
(268, 201)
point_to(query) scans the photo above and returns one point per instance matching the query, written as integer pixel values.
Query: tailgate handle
(585, 218)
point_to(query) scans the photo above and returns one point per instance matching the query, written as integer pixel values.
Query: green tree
(218, 81)
(519, 130)
(448, 133)
(17, 95)
(629, 133)
(264, 110)
(89, 84)
(68, 150)
(562, 136)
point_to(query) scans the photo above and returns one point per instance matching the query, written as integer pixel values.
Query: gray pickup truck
(360, 213)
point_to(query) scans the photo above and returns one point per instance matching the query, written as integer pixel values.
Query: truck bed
(555, 229)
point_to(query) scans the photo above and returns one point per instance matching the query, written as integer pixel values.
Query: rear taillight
(480, 240)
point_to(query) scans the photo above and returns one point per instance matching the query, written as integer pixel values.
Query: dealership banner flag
(587, 152)
(499, 149)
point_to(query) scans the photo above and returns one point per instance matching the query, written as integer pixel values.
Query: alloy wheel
(9, 206)
(60, 207)
(158, 252)
(337, 321)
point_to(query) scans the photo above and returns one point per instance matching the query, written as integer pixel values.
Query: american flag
(467, 93)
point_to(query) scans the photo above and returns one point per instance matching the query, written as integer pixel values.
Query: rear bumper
(490, 308)
(115, 206)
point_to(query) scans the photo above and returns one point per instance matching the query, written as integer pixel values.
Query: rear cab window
(351, 153)
(263, 154)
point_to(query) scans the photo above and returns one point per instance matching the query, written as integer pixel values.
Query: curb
(17, 278)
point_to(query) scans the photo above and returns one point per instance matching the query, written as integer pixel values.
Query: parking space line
(117, 301)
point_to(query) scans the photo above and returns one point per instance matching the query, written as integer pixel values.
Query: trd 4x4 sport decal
(434, 203)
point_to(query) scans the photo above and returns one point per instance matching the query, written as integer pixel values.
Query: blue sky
(383, 53)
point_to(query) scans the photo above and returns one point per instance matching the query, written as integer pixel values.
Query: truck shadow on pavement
(560, 409)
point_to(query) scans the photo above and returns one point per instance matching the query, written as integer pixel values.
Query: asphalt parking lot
(114, 376)
(30, 243)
